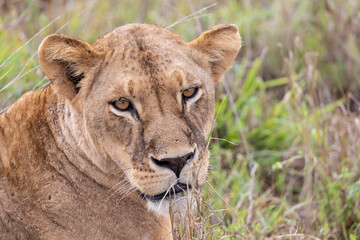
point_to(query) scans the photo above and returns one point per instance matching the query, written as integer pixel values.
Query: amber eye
(190, 92)
(122, 104)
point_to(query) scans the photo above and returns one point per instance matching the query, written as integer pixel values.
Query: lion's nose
(175, 164)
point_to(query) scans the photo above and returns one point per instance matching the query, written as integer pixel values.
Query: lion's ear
(220, 46)
(65, 61)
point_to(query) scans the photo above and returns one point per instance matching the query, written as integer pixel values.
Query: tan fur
(72, 167)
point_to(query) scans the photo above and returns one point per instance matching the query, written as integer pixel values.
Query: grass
(285, 147)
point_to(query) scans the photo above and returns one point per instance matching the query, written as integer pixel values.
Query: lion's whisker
(120, 182)
(171, 187)
(129, 191)
(122, 188)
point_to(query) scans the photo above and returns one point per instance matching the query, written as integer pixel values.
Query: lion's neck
(72, 138)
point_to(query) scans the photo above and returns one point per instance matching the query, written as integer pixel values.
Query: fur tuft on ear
(65, 61)
(220, 46)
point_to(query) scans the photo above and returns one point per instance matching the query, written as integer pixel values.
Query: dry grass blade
(32, 38)
(222, 139)
(199, 27)
(76, 15)
(237, 118)
(6, 73)
(251, 194)
(216, 116)
(195, 18)
(39, 84)
(190, 15)
(19, 77)
(232, 210)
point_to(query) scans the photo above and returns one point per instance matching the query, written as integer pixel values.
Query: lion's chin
(180, 204)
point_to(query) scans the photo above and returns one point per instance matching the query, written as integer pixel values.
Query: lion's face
(144, 100)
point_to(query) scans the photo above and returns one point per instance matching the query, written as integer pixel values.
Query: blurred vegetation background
(286, 143)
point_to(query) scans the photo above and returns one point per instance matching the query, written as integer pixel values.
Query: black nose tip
(175, 164)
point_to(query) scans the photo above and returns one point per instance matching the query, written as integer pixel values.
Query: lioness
(117, 136)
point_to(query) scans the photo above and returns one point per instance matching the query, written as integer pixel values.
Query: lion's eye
(122, 104)
(190, 92)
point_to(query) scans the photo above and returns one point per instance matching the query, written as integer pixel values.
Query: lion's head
(141, 100)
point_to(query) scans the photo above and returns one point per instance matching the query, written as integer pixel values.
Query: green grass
(285, 147)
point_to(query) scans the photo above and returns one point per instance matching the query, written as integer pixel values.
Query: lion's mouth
(178, 188)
